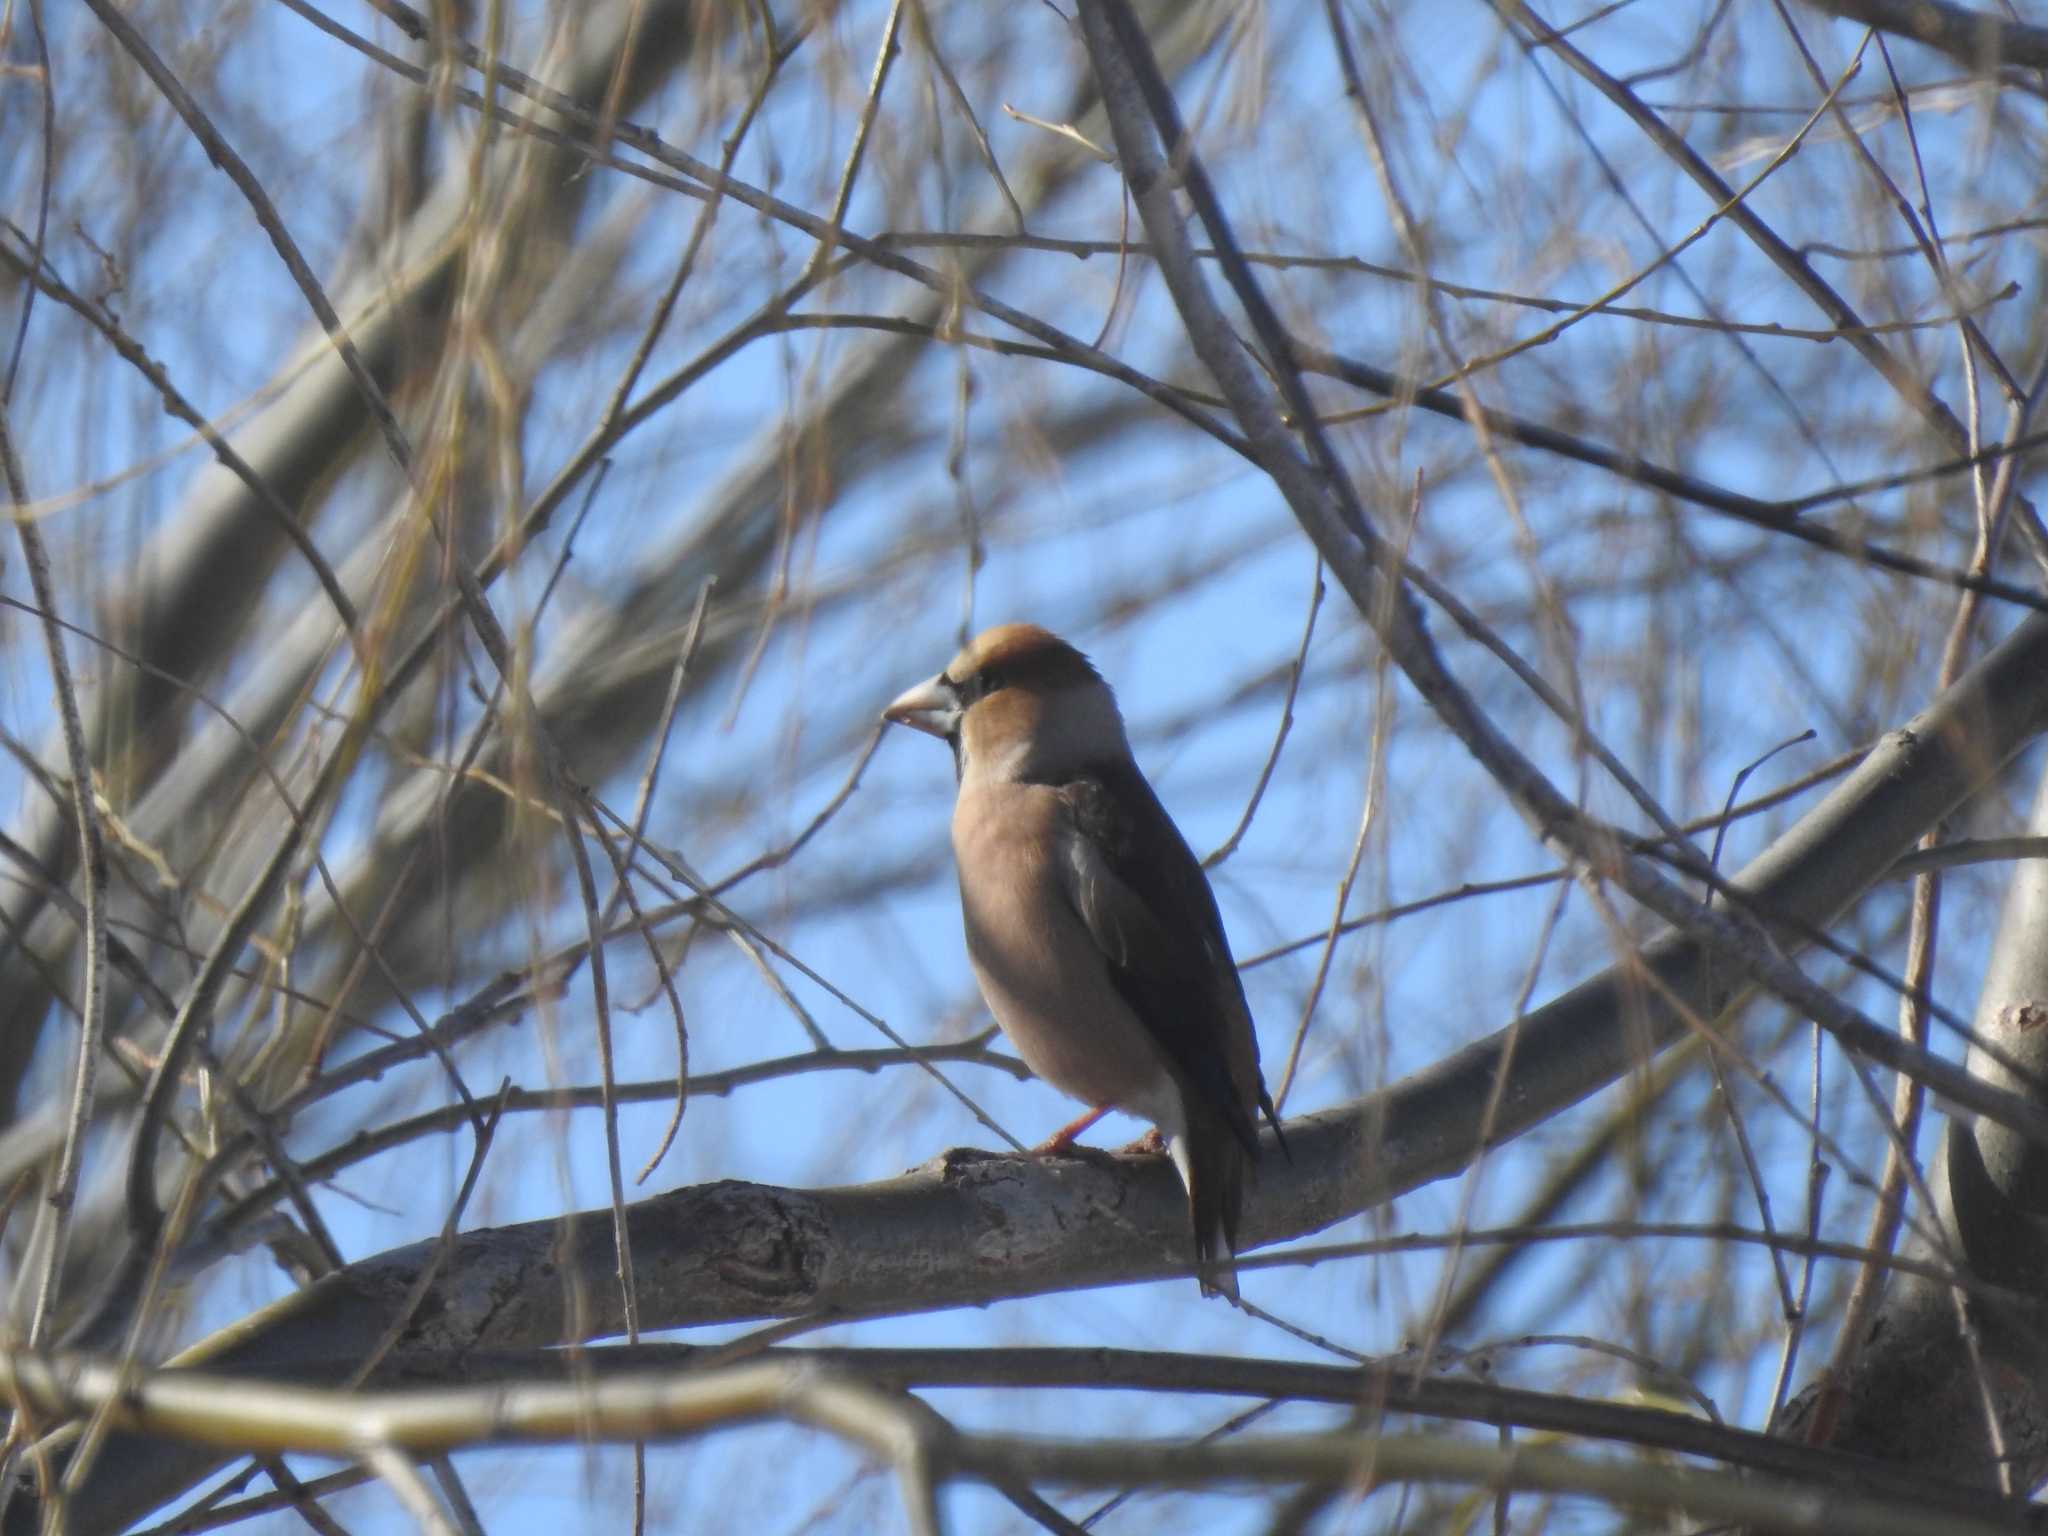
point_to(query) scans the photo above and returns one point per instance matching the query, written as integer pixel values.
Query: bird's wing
(1143, 898)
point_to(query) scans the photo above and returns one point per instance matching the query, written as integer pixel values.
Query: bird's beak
(931, 707)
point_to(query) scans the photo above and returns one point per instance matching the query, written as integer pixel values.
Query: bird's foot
(1061, 1142)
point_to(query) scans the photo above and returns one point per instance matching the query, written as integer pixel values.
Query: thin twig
(398, 1473)
(45, 178)
(222, 154)
(1308, 628)
(92, 861)
(40, 279)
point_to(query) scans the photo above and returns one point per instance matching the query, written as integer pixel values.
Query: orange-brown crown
(1021, 656)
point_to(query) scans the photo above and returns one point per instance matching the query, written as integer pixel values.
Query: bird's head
(1018, 702)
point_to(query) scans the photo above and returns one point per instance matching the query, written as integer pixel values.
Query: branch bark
(1973, 38)
(1968, 1408)
(855, 1393)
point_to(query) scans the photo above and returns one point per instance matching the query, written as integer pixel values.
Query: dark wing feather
(1142, 896)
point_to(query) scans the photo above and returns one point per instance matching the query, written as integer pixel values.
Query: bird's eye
(976, 686)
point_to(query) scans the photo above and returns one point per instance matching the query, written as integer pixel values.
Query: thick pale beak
(931, 707)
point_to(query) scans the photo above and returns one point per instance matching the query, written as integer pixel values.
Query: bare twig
(62, 1190)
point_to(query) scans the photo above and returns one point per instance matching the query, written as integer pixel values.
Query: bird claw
(1061, 1141)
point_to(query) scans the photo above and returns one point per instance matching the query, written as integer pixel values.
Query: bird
(1090, 925)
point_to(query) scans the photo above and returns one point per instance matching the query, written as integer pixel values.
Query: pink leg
(1062, 1139)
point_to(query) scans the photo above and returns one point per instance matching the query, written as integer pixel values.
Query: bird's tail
(1213, 1166)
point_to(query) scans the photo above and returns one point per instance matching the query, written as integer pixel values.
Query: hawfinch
(1090, 924)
